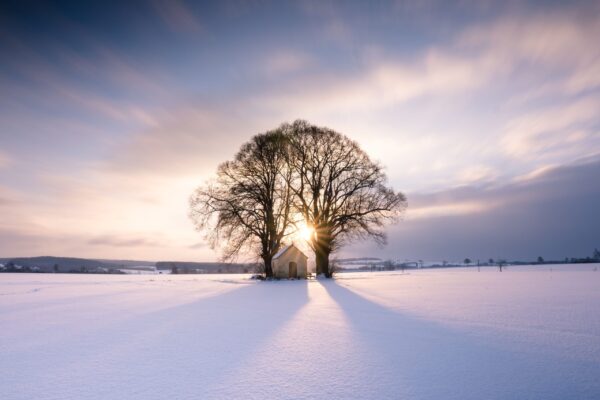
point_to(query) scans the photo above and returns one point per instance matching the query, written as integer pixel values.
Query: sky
(485, 114)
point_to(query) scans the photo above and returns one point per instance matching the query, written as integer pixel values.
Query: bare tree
(247, 207)
(501, 264)
(339, 191)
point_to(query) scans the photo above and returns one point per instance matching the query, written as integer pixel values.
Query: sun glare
(305, 232)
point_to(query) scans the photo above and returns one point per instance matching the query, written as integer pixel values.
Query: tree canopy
(297, 173)
(341, 193)
(248, 206)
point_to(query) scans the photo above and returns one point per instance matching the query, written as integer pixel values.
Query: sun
(306, 232)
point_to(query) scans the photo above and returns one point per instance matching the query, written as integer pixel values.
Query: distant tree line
(500, 263)
(180, 267)
(11, 266)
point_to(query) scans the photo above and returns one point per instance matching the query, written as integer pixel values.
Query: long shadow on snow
(425, 360)
(186, 346)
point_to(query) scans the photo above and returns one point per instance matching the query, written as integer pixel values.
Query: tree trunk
(322, 261)
(268, 266)
(322, 248)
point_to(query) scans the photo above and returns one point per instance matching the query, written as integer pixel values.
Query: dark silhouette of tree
(389, 265)
(596, 254)
(491, 261)
(501, 264)
(339, 191)
(540, 260)
(248, 207)
(467, 261)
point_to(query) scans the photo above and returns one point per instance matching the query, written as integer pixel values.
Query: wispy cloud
(190, 140)
(477, 174)
(199, 245)
(381, 84)
(445, 210)
(571, 130)
(554, 52)
(282, 62)
(111, 241)
(177, 15)
(5, 160)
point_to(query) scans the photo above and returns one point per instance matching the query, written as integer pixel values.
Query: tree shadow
(422, 359)
(187, 346)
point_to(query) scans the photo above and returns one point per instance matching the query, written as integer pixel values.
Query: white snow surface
(525, 333)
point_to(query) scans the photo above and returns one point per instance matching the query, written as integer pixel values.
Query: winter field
(525, 333)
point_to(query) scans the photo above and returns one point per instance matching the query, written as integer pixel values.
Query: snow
(526, 333)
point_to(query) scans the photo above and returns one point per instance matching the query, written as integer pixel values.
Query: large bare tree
(341, 193)
(247, 207)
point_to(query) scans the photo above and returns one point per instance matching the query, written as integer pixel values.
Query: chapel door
(293, 270)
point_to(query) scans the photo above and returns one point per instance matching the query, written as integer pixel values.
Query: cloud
(112, 241)
(332, 25)
(190, 140)
(477, 173)
(451, 209)
(586, 77)
(284, 62)
(117, 110)
(177, 16)
(494, 55)
(536, 173)
(554, 214)
(552, 124)
(560, 43)
(6, 196)
(379, 85)
(558, 37)
(5, 160)
(570, 129)
(103, 82)
(535, 46)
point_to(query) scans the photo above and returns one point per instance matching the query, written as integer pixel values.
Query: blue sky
(485, 114)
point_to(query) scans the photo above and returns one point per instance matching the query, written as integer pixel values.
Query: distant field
(530, 332)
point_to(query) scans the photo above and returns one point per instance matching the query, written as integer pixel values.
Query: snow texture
(525, 333)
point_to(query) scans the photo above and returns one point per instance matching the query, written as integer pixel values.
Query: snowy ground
(526, 333)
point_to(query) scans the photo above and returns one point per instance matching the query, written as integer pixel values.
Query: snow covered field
(526, 333)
